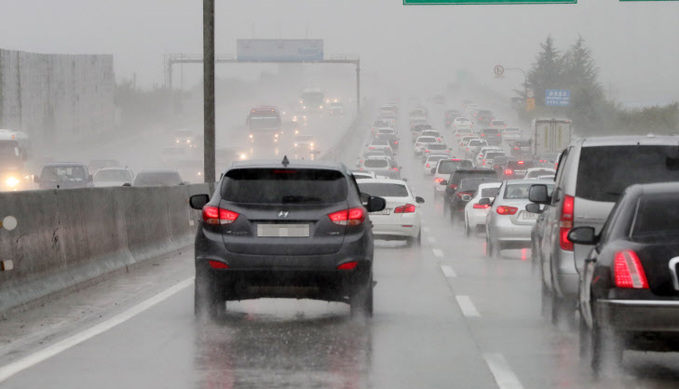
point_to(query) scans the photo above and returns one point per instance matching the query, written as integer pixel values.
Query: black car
(287, 230)
(453, 202)
(491, 135)
(629, 288)
(484, 117)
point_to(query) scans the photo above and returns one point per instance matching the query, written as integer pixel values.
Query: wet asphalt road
(445, 317)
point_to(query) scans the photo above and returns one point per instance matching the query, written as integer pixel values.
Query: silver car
(508, 223)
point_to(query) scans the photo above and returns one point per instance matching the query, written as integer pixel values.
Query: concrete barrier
(69, 236)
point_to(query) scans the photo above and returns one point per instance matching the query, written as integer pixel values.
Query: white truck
(14, 152)
(550, 136)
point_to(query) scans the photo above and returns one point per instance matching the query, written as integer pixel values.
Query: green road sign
(488, 2)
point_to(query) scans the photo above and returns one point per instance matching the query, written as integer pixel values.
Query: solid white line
(31, 360)
(448, 271)
(504, 376)
(437, 253)
(431, 239)
(467, 307)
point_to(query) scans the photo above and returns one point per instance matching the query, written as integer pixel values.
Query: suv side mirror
(419, 200)
(376, 204)
(538, 194)
(444, 182)
(198, 201)
(583, 235)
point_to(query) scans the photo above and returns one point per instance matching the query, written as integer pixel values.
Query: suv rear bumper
(638, 315)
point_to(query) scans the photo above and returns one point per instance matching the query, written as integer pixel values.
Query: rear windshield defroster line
(284, 186)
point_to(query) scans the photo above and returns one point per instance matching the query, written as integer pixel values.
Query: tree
(580, 76)
(547, 71)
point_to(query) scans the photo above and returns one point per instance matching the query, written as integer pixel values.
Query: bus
(14, 151)
(264, 123)
(312, 100)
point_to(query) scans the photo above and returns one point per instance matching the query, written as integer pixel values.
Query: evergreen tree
(580, 76)
(547, 71)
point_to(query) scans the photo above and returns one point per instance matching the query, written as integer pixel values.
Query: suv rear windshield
(284, 186)
(657, 219)
(376, 163)
(447, 167)
(614, 168)
(460, 175)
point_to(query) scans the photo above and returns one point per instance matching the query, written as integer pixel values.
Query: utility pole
(209, 90)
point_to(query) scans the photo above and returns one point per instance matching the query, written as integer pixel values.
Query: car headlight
(12, 182)
(243, 156)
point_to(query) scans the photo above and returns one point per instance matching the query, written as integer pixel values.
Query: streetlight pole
(209, 91)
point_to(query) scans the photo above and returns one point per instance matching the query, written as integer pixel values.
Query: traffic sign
(499, 70)
(557, 97)
(485, 2)
(530, 104)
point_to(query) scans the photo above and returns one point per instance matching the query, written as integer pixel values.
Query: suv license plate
(282, 230)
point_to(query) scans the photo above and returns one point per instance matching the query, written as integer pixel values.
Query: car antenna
(285, 161)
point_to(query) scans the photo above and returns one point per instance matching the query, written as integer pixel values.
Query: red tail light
(438, 180)
(428, 165)
(395, 142)
(438, 139)
(408, 208)
(481, 206)
(509, 172)
(460, 194)
(394, 169)
(520, 162)
(506, 210)
(452, 186)
(566, 222)
(348, 266)
(628, 271)
(215, 215)
(218, 265)
(348, 217)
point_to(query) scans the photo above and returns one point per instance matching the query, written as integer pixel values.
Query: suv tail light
(628, 271)
(506, 210)
(452, 186)
(566, 222)
(408, 208)
(215, 215)
(460, 194)
(438, 180)
(218, 265)
(348, 217)
(509, 172)
(348, 265)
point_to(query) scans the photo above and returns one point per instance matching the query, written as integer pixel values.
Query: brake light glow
(218, 265)
(509, 172)
(408, 208)
(348, 266)
(215, 215)
(438, 180)
(566, 222)
(628, 271)
(520, 162)
(481, 206)
(506, 210)
(348, 217)
(452, 186)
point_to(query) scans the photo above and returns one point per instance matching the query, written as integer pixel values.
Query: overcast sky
(634, 44)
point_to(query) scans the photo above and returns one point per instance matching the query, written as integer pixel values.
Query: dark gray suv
(288, 230)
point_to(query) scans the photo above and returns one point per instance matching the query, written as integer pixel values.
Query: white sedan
(400, 219)
(474, 212)
(462, 123)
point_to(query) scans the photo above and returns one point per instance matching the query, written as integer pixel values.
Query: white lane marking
(504, 376)
(426, 229)
(467, 307)
(448, 271)
(437, 253)
(431, 239)
(31, 360)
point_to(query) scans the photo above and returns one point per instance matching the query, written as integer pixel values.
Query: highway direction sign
(557, 97)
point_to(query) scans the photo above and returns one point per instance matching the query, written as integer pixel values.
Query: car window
(284, 186)
(375, 163)
(383, 189)
(520, 191)
(656, 219)
(489, 192)
(614, 168)
(447, 167)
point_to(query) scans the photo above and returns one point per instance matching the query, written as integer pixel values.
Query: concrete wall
(68, 236)
(56, 96)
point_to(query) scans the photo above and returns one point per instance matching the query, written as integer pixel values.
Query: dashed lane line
(467, 307)
(13, 368)
(437, 253)
(448, 271)
(504, 376)
(431, 239)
